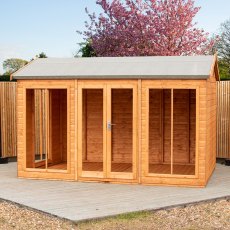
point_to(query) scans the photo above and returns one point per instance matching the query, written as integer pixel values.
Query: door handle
(109, 125)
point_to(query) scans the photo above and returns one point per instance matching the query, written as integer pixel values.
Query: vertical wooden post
(109, 132)
(84, 124)
(41, 124)
(75, 129)
(171, 131)
(189, 120)
(79, 126)
(139, 159)
(47, 127)
(104, 88)
(162, 125)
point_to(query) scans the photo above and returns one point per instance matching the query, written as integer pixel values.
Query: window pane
(160, 131)
(92, 130)
(122, 130)
(184, 122)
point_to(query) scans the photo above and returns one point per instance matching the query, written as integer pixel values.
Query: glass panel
(57, 154)
(30, 129)
(122, 130)
(92, 130)
(35, 129)
(46, 107)
(160, 131)
(184, 129)
(40, 128)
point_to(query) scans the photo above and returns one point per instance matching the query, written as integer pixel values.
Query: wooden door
(107, 130)
(122, 131)
(91, 160)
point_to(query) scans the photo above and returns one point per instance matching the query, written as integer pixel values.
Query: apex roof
(156, 67)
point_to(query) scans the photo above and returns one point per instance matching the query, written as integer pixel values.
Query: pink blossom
(147, 27)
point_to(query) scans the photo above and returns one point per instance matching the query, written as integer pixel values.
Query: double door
(107, 130)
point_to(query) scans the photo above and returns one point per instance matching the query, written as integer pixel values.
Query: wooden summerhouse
(147, 120)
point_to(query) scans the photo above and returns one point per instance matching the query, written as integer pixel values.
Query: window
(46, 128)
(172, 131)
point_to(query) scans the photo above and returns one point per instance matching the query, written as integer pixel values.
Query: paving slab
(80, 201)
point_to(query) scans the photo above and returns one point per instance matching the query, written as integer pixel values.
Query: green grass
(120, 217)
(133, 215)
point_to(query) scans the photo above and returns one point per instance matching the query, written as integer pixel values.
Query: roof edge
(12, 75)
(152, 77)
(215, 68)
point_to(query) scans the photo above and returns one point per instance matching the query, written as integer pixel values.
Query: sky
(29, 27)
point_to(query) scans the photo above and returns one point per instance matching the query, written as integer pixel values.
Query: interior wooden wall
(156, 115)
(192, 125)
(30, 131)
(40, 123)
(63, 121)
(58, 125)
(93, 125)
(122, 118)
(183, 126)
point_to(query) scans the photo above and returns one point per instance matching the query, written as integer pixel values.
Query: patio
(80, 201)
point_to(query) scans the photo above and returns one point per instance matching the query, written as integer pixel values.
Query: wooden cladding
(8, 120)
(223, 119)
(121, 131)
(8, 135)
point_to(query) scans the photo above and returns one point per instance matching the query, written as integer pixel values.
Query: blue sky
(28, 27)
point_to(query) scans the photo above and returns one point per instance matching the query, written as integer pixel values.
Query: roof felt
(171, 67)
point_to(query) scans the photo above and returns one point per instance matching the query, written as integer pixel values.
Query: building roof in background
(170, 67)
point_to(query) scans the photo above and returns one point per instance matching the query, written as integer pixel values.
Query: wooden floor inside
(115, 167)
(127, 167)
(60, 166)
(177, 169)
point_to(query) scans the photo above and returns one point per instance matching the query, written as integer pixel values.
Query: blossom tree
(146, 27)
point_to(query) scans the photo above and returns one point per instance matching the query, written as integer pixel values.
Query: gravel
(13, 216)
(208, 215)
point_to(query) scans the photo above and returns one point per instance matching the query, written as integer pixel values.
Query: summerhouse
(147, 120)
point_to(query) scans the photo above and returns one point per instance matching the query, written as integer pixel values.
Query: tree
(4, 77)
(146, 27)
(41, 55)
(223, 47)
(12, 65)
(86, 50)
